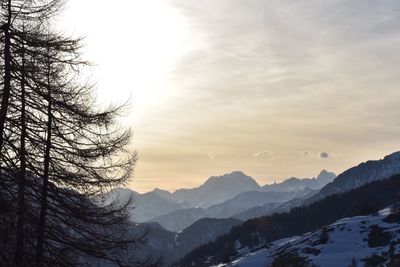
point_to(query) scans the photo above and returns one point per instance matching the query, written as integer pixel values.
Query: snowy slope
(374, 239)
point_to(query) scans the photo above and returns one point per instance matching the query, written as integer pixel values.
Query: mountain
(144, 206)
(163, 193)
(216, 189)
(219, 197)
(254, 233)
(251, 199)
(258, 211)
(371, 240)
(204, 231)
(295, 202)
(149, 205)
(363, 173)
(170, 247)
(178, 220)
(295, 183)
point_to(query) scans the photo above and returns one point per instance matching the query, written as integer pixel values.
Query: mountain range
(213, 229)
(216, 189)
(219, 197)
(145, 206)
(178, 220)
(294, 183)
(361, 190)
(176, 224)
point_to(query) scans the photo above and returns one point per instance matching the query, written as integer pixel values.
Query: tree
(63, 148)
(6, 27)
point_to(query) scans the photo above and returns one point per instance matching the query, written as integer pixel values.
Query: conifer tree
(59, 150)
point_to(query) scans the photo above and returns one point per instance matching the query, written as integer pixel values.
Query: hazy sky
(274, 88)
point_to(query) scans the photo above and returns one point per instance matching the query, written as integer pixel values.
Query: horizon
(255, 179)
(260, 184)
(202, 104)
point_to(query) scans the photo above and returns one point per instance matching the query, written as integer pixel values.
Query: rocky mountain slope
(363, 173)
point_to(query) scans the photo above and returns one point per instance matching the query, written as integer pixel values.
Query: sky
(275, 88)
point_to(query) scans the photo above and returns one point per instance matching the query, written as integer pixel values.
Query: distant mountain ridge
(144, 206)
(215, 198)
(258, 201)
(273, 207)
(178, 220)
(218, 197)
(293, 183)
(217, 189)
(180, 216)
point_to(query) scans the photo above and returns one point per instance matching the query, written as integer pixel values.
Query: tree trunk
(43, 207)
(7, 74)
(19, 253)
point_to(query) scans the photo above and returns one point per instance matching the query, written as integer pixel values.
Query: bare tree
(64, 150)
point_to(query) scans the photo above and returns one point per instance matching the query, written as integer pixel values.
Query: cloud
(319, 155)
(306, 154)
(263, 154)
(324, 155)
(282, 75)
(289, 60)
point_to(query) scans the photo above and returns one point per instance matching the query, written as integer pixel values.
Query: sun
(134, 46)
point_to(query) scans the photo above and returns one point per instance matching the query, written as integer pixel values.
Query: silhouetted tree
(58, 150)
